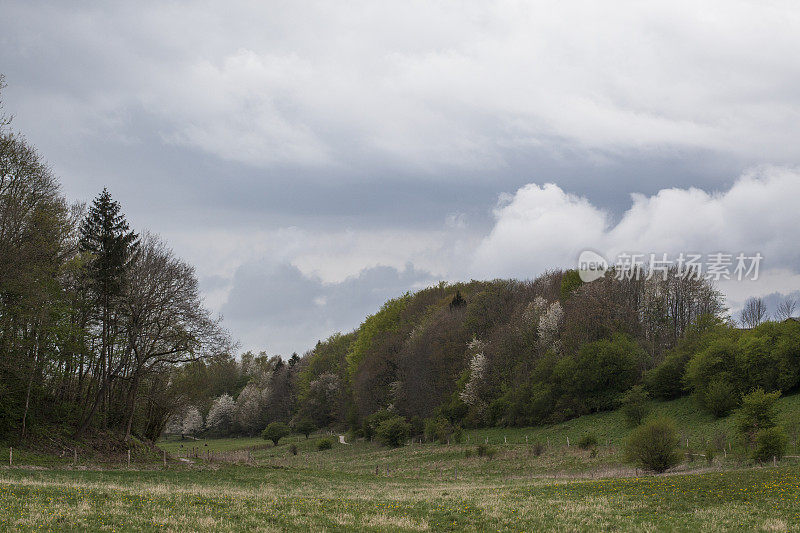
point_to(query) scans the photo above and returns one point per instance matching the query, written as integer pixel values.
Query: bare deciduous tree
(166, 323)
(786, 309)
(754, 312)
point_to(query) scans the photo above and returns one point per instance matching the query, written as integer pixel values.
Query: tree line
(509, 353)
(95, 319)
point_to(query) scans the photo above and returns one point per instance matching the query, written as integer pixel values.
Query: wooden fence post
(10, 456)
(165, 458)
(129, 457)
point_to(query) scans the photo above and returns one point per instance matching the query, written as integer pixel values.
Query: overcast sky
(313, 160)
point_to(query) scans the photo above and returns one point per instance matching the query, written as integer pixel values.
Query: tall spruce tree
(106, 236)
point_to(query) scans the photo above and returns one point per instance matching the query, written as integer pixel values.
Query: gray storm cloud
(378, 134)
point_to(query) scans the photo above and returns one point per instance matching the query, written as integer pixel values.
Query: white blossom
(549, 324)
(532, 314)
(192, 421)
(250, 407)
(475, 346)
(477, 369)
(174, 425)
(222, 414)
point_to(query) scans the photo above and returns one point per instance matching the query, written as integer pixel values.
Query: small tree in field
(305, 427)
(756, 413)
(275, 432)
(394, 431)
(634, 405)
(769, 443)
(654, 445)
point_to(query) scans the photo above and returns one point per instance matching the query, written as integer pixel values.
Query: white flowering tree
(549, 325)
(174, 425)
(477, 370)
(222, 414)
(192, 421)
(250, 413)
(531, 316)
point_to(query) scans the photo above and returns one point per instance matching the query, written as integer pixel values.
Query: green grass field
(419, 487)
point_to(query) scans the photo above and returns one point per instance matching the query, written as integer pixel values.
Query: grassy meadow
(419, 487)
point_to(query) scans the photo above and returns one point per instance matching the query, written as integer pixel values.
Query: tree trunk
(35, 357)
(132, 403)
(98, 399)
(27, 404)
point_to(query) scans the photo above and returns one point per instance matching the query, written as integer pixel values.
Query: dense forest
(103, 329)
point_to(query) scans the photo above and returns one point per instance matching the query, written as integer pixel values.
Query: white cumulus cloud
(543, 227)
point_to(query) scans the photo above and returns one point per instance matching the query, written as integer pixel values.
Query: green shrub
(393, 432)
(634, 405)
(484, 450)
(720, 398)
(537, 449)
(438, 430)
(587, 441)
(756, 413)
(325, 443)
(458, 435)
(769, 443)
(275, 432)
(305, 427)
(654, 445)
(371, 423)
(601, 371)
(665, 381)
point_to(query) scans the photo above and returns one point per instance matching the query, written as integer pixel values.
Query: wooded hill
(505, 353)
(520, 353)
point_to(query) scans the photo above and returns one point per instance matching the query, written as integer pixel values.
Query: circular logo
(591, 266)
